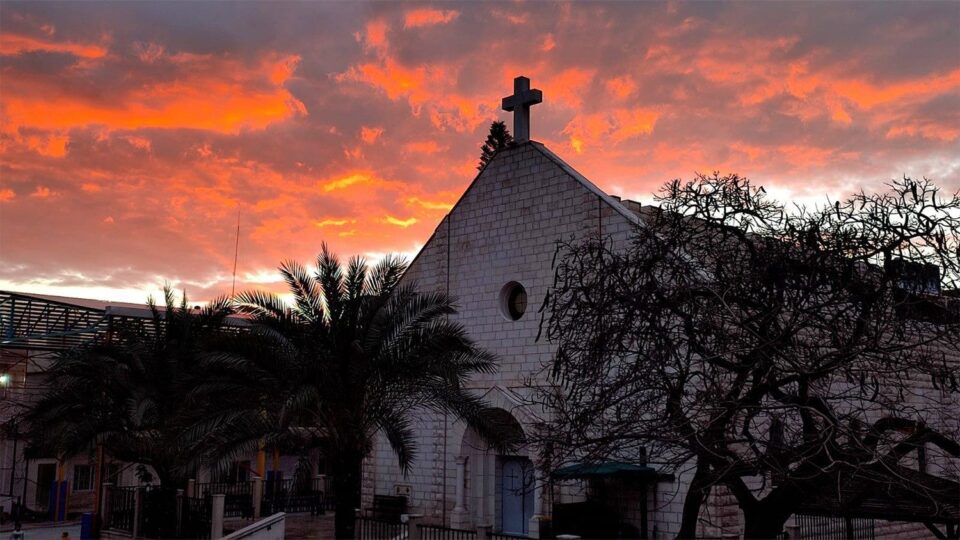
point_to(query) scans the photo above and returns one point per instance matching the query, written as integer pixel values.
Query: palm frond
(262, 305)
(385, 275)
(356, 278)
(400, 434)
(330, 276)
(305, 290)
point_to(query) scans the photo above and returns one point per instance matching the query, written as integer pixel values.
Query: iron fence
(122, 508)
(433, 532)
(158, 512)
(378, 529)
(505, 536)
(834, 528)
(226, 488)
(195, 517)
(237, 500)
(292, 496)
(325, 485)
(293, 503)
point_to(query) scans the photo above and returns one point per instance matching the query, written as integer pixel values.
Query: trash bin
(86, 526)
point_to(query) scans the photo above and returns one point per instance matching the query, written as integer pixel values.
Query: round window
(513, 300)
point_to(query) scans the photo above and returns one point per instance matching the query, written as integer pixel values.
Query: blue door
(516, 495)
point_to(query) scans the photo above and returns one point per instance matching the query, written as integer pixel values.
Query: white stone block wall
(505, 228)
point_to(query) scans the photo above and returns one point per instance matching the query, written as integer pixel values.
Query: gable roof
(612, 202)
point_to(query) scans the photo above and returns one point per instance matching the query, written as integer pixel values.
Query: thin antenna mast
(236, 252)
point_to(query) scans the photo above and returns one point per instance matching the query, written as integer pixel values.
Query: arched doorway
(495, 487)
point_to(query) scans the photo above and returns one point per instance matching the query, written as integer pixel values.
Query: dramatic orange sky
(133, 132)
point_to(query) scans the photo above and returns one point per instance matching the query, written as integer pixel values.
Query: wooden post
(191, 487)
(257, 496)
(98, 481)
(262, 461)
(105, 505)
(216, 516)
(61, 466)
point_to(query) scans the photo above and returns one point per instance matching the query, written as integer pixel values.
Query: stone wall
(505, 228)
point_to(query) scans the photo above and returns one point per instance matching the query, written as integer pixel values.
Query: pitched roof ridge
(612, 202)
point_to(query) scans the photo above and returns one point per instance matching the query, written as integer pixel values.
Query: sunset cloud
(42, 192)
(202, 92)
(424, 147)
(129, 147)
(12, 44)
(428, 17)
(404, 223)
(370, 135)
(615, 126)
(347, 181)
(430, 205)
(334, 222)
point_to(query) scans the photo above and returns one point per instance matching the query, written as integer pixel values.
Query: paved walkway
(296, 526)
(304, 526)
(44, 531)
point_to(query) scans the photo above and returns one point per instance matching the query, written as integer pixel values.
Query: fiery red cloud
(129, 147)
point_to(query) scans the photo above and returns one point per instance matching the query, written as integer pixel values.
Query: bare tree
(779, 349)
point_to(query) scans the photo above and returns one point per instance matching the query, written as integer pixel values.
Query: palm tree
(128, 392)
(356, 354)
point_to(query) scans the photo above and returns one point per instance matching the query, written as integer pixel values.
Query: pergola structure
(50, 323)
(33, 329)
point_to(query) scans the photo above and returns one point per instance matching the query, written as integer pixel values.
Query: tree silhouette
(129, 392)
(784, 351)
(358, 354)
(498, 139)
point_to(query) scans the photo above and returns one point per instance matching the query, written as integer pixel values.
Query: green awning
(609, 469)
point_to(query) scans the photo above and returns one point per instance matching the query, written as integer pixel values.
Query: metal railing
(291, 496)
(158, 512)
(433, 532)
(378, 529)
(238, 496)
(329, 495)
(505, 536)
(195, 517)
(122, 508)
(293, 503)
(227, 488)
(834, 528)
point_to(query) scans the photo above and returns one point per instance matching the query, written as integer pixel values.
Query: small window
(82, 478)
(513, 301)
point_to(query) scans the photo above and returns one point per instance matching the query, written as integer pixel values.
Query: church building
(493, 252)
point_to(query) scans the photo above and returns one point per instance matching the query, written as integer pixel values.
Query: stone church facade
(497, 241)
(500, 237)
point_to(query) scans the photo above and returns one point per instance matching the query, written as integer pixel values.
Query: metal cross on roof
(521, 100)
